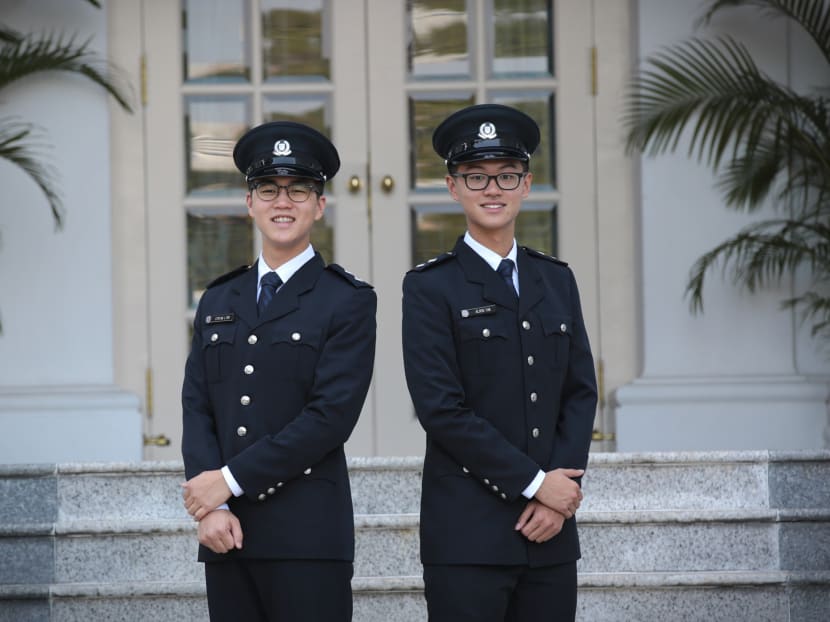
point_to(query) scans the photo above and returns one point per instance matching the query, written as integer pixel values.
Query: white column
(744, 374)
(58, 401)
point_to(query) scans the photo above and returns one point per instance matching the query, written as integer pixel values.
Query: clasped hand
(559, 492)
(204, 493)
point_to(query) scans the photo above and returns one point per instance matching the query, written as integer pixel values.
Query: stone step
(388, 545)
(613, 482)
(603, 597)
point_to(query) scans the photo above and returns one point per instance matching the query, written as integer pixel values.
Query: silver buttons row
(486, 481)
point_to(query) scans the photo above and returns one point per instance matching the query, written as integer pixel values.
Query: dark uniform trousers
(275, 397)
(503, 388)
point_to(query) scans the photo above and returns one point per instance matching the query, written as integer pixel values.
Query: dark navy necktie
(269, 285)
(505, 269)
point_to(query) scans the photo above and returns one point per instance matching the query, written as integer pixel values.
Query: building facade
(96, 317)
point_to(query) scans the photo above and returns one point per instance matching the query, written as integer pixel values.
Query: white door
(376, 76)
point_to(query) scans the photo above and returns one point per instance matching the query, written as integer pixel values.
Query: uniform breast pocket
(557, 329)
(217, 346)
(294, 351)
(483, 346)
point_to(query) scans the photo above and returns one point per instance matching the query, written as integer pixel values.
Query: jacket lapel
(287, 299)
(243, 297)
(531, 289)
(476, 270)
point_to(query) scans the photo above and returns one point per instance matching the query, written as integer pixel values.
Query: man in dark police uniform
(501, 374)
(280, 365)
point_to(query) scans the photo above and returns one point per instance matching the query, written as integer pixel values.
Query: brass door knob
(354, 184)
(159, 440)
(387, 184)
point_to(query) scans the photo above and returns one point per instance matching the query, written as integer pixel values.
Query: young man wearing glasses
(281, 362)
(502, 378)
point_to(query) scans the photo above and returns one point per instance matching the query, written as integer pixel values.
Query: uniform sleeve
(434, 381)
(341, 381)
(200, 447)
(579, 395)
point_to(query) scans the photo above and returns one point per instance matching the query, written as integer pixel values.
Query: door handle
(387, 184)
(159, 440)
(354, 184)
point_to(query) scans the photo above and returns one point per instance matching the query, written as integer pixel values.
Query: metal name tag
(219, 319)
(476, 311)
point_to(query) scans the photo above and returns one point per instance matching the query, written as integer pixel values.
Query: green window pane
(215, 41)
(438, 32)
(212, 125)
(541, 107)
(296, 39)
(216, 245)
(536, 227)
(522, 36)
(426, 111)
(435, 229)
(322, 235)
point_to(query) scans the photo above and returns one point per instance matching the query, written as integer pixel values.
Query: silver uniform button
(526, 325)
(503, 496)
(486, 481)
(486, 332)
(465, 313)
(262, 497)
(495, 488)
(248, 369)
(244, 400)
(307, 471)
(563, 327)
(465, 469)
(535, 432)
(252, 339)
(533, 397)
(271, 491)
(241, 430)
(530, 360)
(280, 484)
(214, 337)
(295, 336)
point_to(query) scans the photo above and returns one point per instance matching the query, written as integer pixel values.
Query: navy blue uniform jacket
(275, 398)
(503, 388)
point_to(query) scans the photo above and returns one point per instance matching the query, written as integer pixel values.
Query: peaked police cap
(285, 148)
(485, 132)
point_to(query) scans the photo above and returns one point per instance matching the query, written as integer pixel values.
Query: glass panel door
(377, 77)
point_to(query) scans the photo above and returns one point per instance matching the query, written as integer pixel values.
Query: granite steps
(642, 522)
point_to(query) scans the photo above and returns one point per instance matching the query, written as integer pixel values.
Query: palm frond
(714, 87)
(17, 146)
(37, 53)
(7, 35)
(762, 253)
(813, 16)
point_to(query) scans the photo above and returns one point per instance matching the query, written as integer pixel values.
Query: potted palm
(23, 55)
(764, 141)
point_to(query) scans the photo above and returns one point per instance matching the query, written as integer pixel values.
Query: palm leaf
(17, 147)
(813, 16)
(37, 53)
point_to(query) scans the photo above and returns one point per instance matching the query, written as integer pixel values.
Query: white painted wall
(743, 374)
(56, 353)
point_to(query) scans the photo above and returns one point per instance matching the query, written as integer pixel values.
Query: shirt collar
(286, 270)
(492, 258)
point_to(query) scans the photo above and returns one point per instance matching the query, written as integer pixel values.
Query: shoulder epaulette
(227, 276)
(540, 255)
(429, 263)
(351, 278)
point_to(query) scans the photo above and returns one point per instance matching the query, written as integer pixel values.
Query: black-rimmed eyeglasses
(479, 181)
(297, 192)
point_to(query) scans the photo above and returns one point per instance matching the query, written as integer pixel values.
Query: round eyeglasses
(479, 181)
(297, 192)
